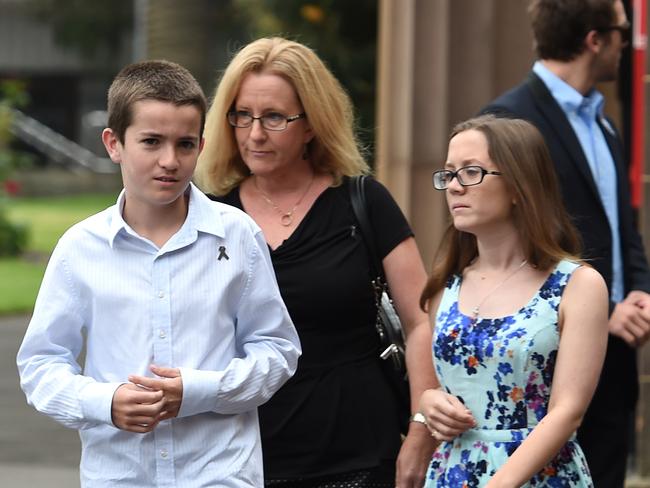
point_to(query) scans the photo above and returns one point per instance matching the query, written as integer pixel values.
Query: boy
(175, 300)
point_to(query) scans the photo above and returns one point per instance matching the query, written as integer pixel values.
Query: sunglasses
(625, 30)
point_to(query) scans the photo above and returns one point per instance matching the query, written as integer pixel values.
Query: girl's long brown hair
(518, 150)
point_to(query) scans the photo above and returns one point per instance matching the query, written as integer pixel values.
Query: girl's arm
(583, 340)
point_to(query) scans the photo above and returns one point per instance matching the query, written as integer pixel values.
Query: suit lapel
(558, 122)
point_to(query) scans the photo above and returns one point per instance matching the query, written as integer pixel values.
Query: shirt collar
(202, 216)
(571, 100)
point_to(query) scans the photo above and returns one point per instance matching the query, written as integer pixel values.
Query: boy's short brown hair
(151, 80)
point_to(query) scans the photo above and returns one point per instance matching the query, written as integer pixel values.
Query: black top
(337, 413)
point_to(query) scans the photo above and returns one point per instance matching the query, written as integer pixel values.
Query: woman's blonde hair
(547, 235)
(334, 148)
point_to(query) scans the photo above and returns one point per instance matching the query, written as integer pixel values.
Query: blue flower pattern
(502, 369)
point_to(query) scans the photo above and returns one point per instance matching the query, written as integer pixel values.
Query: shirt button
(161, 294)
(164, 453)
(162, 334)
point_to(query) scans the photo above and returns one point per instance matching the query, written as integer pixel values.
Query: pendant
(286, 219)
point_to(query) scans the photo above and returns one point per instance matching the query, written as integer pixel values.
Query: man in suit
(579, 44)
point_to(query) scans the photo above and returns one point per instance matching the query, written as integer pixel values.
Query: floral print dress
(502, 370)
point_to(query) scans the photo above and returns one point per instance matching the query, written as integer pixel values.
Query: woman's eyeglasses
(466, 176)
(270, 120)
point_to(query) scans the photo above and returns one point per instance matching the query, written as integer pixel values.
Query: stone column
(439, 62)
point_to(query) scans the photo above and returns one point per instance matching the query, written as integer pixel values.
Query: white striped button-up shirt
(207, 302)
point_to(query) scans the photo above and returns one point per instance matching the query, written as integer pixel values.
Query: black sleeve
(389, 225)
(230, 198)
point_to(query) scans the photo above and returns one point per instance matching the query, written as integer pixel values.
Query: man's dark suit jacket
(532, 101)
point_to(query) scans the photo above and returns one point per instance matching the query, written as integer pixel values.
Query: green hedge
(13, 237)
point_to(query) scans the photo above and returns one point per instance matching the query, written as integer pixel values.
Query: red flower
(11, 187)
(549, 471)
(516, 394)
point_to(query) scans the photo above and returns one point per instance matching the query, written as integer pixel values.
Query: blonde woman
(280, 145)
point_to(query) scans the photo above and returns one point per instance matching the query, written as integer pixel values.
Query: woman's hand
(447, 417)
(414, 457)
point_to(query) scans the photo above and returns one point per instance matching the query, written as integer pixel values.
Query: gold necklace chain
(286, 218)
(475, 310)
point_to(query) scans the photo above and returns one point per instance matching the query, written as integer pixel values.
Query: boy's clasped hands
(138, 406)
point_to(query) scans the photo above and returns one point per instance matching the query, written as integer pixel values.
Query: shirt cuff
(97, 402)
(199, 391)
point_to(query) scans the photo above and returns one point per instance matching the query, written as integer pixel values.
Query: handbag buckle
(389, 351)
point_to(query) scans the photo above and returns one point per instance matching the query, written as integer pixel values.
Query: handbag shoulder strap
(358, 199)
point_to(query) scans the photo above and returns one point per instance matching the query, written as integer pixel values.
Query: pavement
(35, 451)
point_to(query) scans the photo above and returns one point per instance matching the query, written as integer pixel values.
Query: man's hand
(414, 457)
(630, 319)
(136, 409)
(640, 298)
(169, 383)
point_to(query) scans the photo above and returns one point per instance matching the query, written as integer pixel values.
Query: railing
(55, 146)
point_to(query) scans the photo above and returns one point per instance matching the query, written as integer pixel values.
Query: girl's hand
(446, 416)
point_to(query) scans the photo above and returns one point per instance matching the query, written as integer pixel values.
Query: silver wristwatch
(419, 418)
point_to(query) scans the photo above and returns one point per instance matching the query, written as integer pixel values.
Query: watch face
(418, 417)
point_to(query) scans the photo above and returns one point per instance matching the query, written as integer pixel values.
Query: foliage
(90, 28)
(12, 95)
(13, 237)
(343, 32)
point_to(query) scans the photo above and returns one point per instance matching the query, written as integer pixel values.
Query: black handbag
(387, 323)
(389, 327)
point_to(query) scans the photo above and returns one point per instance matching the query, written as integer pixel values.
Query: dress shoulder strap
(554, 286)
(568, 267)
(449, 294)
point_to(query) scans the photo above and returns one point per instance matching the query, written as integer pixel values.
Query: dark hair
(560, 26)
(151, 80)
(547, 235)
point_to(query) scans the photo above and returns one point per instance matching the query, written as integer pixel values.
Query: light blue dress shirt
(207, 302)
(583, 114)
